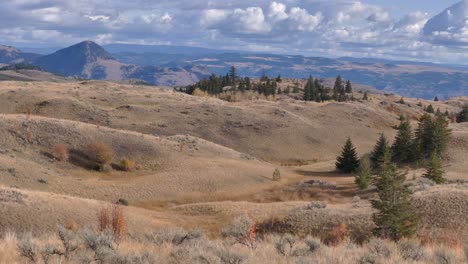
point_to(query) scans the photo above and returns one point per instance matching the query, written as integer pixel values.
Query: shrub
(242, 230)
(127, 165)
(72, 225)
(123, 202)
(379, 247)
(144, 258)
(316, 205)
(337, 235)
(276, 175)
(69, 241)
(175, 236)
(49, 251)
(411, 250)
(119, 225)
(228, 256)
(369, 258)
(443, 256)
(104, 220)
(285, 244)
(27, 249)
(100, 153)
(60, 152)
(312, 243)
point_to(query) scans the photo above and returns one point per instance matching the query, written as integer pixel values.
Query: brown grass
(119, 225)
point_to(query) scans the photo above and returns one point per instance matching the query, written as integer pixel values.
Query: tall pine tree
(349, 87)
(424, 144)
(348, 161)
(395, 216)
(378, 154)
(403, 147)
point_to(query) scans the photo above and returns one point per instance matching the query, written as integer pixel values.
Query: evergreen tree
(378, 154)
(278, 79)
(402, 100)
(296, 88)
(348, 161)
(424, 144)
(366, 97)
(440, 134)
(463, 115)
(434, 170)
(436, 99)
(430, 109)
(402, 149)
(338, 87)
(349, 88)
(232, 75)
(287, 90)
(248, 84)
(264, 77)
(364, 176)
(395, 216)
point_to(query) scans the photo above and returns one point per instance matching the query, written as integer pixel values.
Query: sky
(393, 29)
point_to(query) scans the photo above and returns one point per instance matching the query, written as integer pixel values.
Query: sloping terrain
(11, 55)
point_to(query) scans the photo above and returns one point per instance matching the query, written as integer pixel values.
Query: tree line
(313, 90)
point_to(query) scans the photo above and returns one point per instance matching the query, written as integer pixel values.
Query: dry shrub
(60, 152)
(337, 235)
(72, 225)
(100, 153)
(113, 220)
(104, 219)
(119, 225)
(243, 230)
(127, 164)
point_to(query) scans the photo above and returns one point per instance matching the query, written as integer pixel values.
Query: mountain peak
(89, 49)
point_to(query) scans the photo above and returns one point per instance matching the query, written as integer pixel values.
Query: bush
(369, 258)
(379, 247)
(242, 231)
(337, 235)
(27, 249)
(312, 243)
(443, 256)
(99, 153)
(411, 250)
(276, 175)
(316, 205)
(60, 152)
(228, 256)
(127, 165)
(123, 202)
(175, 236)
(285, 244)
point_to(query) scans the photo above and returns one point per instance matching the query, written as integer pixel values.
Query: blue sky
(398, 29)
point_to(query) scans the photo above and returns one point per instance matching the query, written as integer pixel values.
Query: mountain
(10, 55)
(91, 61)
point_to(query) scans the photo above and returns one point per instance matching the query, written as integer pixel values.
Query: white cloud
(250, 20)
(277, 11)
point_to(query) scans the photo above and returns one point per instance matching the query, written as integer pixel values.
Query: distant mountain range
(178, 66)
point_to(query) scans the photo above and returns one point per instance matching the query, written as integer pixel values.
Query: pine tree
(348, 162)
(463, 115)
(430, 109)
(436, 99)
(424, 144)
(349, 88)
(402, 100)
(380, 148)
(403, 148)
(278, 79)
(395, 216)
(441, 134)
(434, 170)
(364, 176)
(338, 87)
(232, 75)
(287, 90)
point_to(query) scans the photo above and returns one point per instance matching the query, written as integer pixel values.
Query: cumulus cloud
(309, 27)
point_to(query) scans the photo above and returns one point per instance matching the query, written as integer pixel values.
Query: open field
(200, 162)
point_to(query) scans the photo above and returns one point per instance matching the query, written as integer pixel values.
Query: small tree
(349, 87)
(434, 170)
(366, 97)
(276, 175)
(394, 217)
(348, 161)
(436, 99)
(463, 115)
(364, 176)
(430, 109)
(402, 100)
(377, 155)
(99, 153)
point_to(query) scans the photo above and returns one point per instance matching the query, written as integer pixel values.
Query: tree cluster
(463, 115)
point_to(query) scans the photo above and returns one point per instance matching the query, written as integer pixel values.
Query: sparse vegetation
(276, 175)
(127, 164)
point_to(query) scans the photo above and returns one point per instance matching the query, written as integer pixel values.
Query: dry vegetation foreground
(68, 150)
